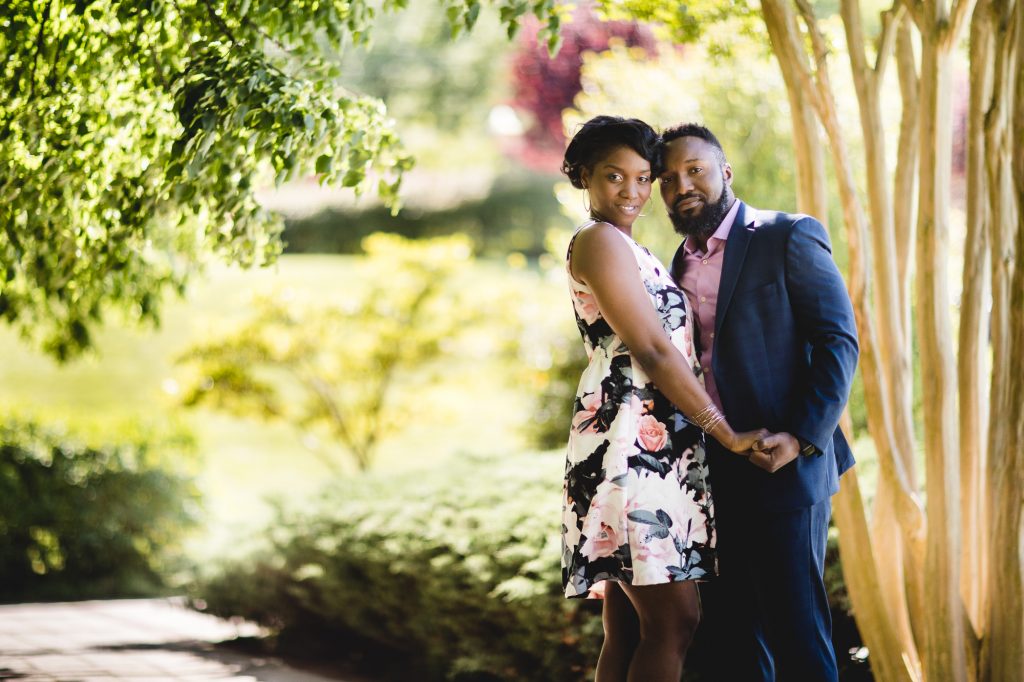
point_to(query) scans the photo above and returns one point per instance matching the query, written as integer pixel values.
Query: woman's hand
(743, 441)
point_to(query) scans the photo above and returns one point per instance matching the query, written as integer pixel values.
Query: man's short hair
(694, 130)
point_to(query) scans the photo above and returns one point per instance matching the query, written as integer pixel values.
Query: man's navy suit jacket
(784, 357)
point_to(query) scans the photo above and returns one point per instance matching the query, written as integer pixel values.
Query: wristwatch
(807, 448)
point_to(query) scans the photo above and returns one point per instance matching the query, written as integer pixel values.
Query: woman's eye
(614, 177)
(643, 179)
(697, 171)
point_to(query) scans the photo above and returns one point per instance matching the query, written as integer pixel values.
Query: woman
(638, 520)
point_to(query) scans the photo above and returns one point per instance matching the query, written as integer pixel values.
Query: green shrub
(456, 567)
(78, 521)
(453, 571)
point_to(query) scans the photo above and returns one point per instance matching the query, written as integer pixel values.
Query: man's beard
(705, 223)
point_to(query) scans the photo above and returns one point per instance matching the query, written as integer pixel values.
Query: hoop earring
(586, 201)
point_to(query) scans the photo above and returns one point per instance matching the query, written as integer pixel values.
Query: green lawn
(133, 377)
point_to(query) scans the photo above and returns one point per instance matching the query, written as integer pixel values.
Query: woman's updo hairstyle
(599, 136)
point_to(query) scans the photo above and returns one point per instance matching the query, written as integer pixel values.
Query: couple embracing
(705, 446)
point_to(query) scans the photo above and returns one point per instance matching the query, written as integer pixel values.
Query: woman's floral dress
(636, 504)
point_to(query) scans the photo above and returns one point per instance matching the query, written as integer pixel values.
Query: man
(778, 348)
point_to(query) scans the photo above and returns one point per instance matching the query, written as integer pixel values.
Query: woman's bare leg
(621, 635)
(668, 614)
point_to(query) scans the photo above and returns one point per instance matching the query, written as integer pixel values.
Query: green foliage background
(80, 521)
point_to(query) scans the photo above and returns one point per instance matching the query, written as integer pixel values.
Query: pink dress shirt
(701, 275)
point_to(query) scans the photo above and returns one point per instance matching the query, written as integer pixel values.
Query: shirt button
(704, 262)
(703, 299)
(712, 335)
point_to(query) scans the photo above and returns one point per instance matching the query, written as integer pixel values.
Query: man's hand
(773, 452)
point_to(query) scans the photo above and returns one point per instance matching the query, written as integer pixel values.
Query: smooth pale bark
(904, 221)
(895, 364)
(862, 583)
(972, 366)
(944, 635)
(1003, 654)
(905, 188)
(812, 190)
(894, 354)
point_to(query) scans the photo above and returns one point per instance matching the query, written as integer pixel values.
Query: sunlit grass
(466, 407)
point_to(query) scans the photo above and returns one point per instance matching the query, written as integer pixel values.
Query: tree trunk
(874, 619)
(972, 368)
(944, 634)
(811, 188)
(894, 354)
(905, 186)
(1003, 653)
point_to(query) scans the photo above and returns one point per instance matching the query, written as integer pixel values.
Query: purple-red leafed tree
(545, 85)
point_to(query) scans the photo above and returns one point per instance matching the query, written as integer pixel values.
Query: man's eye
(665, 179)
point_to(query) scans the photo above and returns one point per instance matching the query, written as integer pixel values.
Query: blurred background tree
(342, 368)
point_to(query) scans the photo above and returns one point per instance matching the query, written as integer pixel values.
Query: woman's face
(619, 186)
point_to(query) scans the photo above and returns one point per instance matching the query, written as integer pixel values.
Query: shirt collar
(720, 236)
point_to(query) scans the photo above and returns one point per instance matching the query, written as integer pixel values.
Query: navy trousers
(766, 617)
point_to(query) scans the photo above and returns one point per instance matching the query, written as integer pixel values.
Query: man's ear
(727, 174)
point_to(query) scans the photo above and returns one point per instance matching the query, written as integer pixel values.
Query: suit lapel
(732, 262)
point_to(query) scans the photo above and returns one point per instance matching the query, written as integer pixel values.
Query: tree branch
(916, 9)
(39, 48)
(819, 48)
(225, 29)
(862, 74)
(957, 20)
(323, 393)
(887, 41)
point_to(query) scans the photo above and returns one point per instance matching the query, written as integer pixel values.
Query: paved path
(145, 640)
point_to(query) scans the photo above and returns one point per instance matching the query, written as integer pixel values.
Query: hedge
(455, 571)
(80, 521)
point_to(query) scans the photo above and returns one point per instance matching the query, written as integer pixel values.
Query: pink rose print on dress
(587, 307)
(586, 419)
(653, 434)
(604, 543)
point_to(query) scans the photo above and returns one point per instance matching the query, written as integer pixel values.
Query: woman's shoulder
(598, 234)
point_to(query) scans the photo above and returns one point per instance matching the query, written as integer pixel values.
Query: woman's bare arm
(605, 263)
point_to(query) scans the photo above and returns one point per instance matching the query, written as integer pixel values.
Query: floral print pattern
(636, 504)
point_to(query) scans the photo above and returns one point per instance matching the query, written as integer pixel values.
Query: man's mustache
(687, 197)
